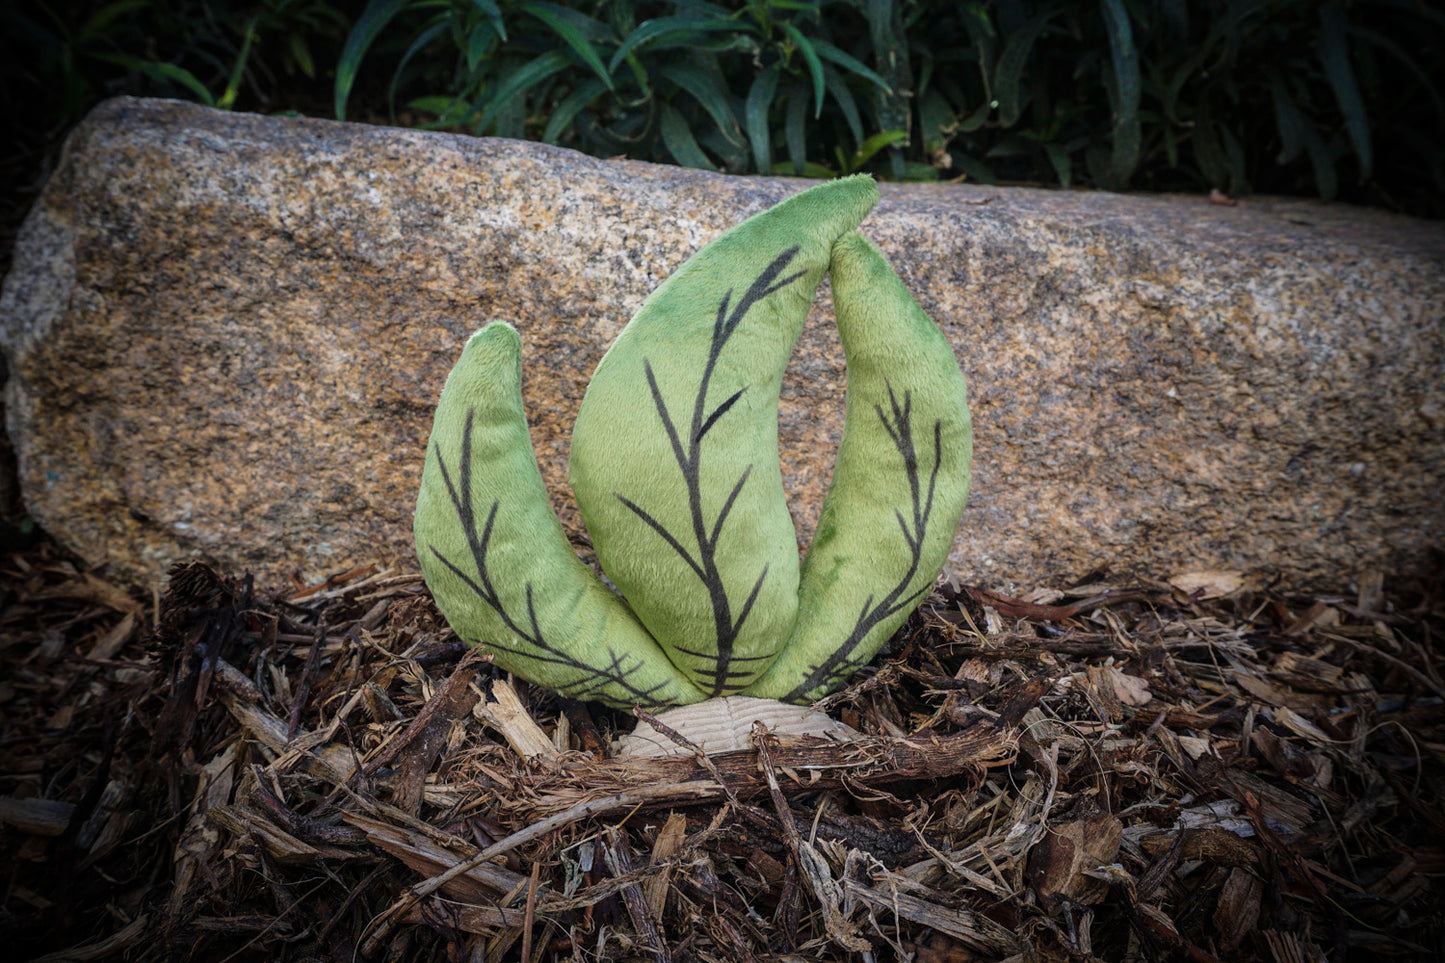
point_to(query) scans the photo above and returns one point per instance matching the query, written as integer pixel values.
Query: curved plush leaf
(899, 483)
(674, 457)
(497, 560)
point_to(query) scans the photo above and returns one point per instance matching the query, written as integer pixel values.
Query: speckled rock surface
(225, 334)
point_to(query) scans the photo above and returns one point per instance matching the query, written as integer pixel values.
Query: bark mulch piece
(1145, 771)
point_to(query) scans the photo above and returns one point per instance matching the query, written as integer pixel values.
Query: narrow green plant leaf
(1125, 59)
(852, 64)
(811, 169)
(302, 54)
(1334, 53)
(975, 120)
(448, 109)
(1322, 159)
(677, 137)
(871, 146)
(563, 23)
(683, 25)
(973, 168)
(238, 69)
(755, 112)
(494, 14)
(794, 126)
(479, 45)
(566, 111)
(439, 24)
(164, 72)
(815, 66)
(1287, 120)
(368, 26)
(98, 23)
(936, 120)
(516, 84)
(1011, 62)
(1062, 164)
(709, 91)
(843, 97)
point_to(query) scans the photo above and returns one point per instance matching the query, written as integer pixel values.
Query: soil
(1136, 771)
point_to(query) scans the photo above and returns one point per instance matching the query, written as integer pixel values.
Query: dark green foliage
(1336, 98)
(59, 58)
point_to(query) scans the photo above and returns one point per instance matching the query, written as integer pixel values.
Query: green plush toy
(674, 465)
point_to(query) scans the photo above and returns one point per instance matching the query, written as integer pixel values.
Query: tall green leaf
(679, 25)
(677, 136)
(708, 90)
(1125, 59)
(852, 64)
(1011, 63)
(158, 70)
(755, 112)
(238, 69)
(565, 24)
(516, 84)
(368, 26)
(566, 111)
(1288, 120)
(1334, 53)
(815, 66)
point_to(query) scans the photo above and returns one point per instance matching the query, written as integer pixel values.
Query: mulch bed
(1137, 771)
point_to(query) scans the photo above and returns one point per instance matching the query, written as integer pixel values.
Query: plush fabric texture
(675, 467)
(497, 560)
(899, 483)
(674, 457)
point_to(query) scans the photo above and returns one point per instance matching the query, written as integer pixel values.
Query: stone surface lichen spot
(675, 468)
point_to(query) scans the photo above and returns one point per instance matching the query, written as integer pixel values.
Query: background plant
(1336, 99)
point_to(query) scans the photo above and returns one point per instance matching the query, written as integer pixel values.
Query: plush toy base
(726, 725)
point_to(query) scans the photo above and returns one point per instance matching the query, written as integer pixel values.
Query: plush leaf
(899, 483)
(497, 560)
(674, 457)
